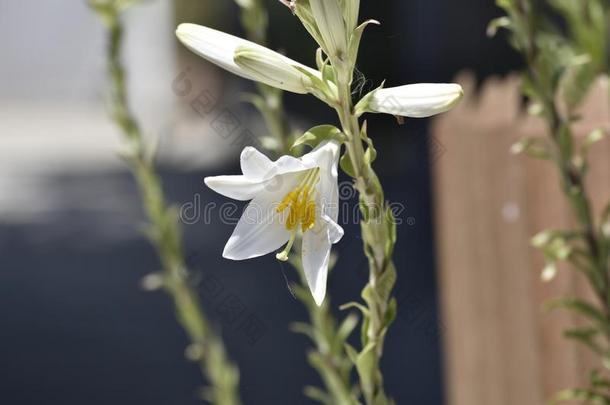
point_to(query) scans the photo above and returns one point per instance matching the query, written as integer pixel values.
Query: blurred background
(75, 325)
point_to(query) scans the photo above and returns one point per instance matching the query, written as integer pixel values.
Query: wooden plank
(500, 347)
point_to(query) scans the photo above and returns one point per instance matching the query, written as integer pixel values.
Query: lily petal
(316, 256)
(259, 231)
(254, 164)
(326, 156)
(239, 188)
(416, 100)
(335, 231)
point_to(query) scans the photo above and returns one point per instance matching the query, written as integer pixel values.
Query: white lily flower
(245, 58)
(288, 197)
(415, 100)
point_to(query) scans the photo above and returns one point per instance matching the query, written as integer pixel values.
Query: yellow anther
(293, 217)
(309, 217)
(301, 204)
(289, 199)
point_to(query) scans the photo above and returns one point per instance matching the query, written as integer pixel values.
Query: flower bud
(255, 61)
(351, 9)
(413, 100)
(328, 16)
(273, 69)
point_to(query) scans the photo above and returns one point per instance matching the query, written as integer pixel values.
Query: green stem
(329, 357)
(572, 178)
(378, 234)
(206, 348)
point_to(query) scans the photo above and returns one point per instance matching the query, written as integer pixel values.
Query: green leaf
(390, 314)
(356, 305)
(586, 336)
(347, 327)
(604, 224)
(356, 37)
(302, 328)
(496, 24)
(346, 165)
(363, 105)
(580, 394)
(371, 153)
(386, 282)
(328, 73)
(319, 87)
(365, 365)
(351, 353)
(364, 337)
(382, 399)
(581, 307)
(369, 296)
(317, 394)
(577, 79)
(319, 134)
(598, 381)
(321, 61)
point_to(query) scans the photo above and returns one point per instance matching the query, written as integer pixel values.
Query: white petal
(335, 231)
(416, 100)
(290, 164)
(212, 45)
(316, 255)
(239, 188)
(326, 157)
(259, 231)
(254, 164)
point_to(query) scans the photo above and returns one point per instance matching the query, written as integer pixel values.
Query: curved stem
(163, 229)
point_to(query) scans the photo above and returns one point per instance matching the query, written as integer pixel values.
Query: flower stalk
(378, 230)
(206, 348)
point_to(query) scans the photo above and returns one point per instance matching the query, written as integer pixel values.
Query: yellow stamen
(309, 219)
(288, 200)
(302, 208)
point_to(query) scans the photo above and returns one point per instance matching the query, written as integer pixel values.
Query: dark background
(76, 328)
